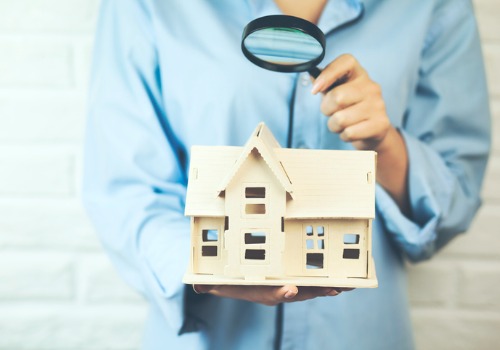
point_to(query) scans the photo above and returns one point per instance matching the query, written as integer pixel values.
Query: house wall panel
(208, 264)
(255, 172)
(348, 267)
(335, 265)
(293, 247)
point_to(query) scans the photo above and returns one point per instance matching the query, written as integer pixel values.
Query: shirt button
(305, 81)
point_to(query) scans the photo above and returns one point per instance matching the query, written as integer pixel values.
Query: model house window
(210, 241)
(210, 235)
(255, 208)
(309, 230)
(209, 250)
(314, 260)
(255, 192)
(255, 238)
(255, 245)
(350, 238)
(351, 254)
(351, 246)
(255, 200)
(315, 246)
(255, 254)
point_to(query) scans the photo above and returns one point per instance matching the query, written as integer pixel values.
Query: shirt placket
(306, 133)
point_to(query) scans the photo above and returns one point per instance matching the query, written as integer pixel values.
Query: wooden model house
(266, 215)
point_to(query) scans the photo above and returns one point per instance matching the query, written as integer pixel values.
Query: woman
(168, 75)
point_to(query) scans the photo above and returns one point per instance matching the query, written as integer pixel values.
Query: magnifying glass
(285, 44)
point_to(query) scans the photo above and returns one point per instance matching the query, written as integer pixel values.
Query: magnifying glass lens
(283, 46)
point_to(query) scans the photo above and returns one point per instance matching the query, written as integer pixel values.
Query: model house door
(314, 239)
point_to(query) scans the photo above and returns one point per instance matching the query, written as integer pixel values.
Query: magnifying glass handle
(315, 72)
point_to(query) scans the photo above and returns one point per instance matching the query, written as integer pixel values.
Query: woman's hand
(356, 111)
(268, 295)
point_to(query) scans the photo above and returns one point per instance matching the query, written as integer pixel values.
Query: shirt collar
(338, 13)
(335, 14)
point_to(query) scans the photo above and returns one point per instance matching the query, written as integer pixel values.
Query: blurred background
(57, 288)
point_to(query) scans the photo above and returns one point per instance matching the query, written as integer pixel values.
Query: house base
(296, 281)
(347, 282)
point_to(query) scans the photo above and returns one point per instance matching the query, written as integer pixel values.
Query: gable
(265, 144)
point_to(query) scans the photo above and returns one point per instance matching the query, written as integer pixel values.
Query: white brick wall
(59, 291)
(455, 297)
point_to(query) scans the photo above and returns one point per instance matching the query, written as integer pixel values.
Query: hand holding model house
(267, 216)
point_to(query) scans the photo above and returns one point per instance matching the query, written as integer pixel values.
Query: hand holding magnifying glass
(351, 99)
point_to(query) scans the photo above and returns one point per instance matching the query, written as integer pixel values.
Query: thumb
(287, 292)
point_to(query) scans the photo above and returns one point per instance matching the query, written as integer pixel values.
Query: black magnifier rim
(283, 21)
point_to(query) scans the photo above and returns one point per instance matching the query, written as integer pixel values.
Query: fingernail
(289, 294)
(328, 291)
(316, 86)
(333, 293)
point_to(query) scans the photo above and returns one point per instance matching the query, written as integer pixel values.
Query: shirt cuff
(430, 186)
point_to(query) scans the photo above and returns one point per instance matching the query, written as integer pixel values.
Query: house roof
(324, 183)
(264, 142)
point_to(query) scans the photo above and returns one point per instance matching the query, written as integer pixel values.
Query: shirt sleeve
(134, 182)
(447, 136)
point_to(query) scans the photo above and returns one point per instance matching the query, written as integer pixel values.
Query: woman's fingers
(343, 96)
(371, 130)
(343, 67)
(356, 109)
(348, 117)
(267, 295)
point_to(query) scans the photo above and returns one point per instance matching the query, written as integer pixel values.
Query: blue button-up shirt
(170, 74)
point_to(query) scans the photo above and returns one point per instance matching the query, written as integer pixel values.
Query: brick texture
(482, 240)
(41, 224)
(479, 286)
(58, 290)
(41, 119)
(44, 276)
(495, 111)
(487, 13)
(36, 174)
(491, 188)
(35, 64)
(66, 326)
(455, 330)
(56, 16)
(492, 57)
(433, 284)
